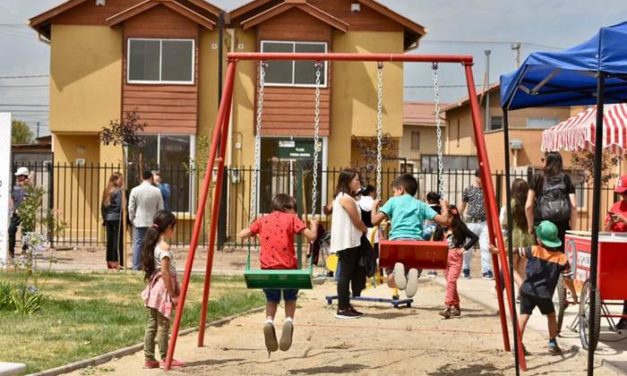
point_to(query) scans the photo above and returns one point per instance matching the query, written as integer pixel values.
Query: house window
(415, 140)
(294, 73)
(160, 61)
(496, 122)
(170, 154)
(541, 122)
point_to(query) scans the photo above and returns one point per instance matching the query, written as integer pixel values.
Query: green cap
(548, 235)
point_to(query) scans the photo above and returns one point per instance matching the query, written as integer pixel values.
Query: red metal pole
(215, 212)
(200, 211)
(495, 233)
(350, 57)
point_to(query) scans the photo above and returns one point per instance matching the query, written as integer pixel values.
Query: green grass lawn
(86, 314)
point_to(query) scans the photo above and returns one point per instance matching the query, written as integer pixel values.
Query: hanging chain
(438, 125)
(379, 125)
(255, 177)
(317, 146)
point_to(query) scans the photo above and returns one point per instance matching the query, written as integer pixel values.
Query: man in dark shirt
(17, 197)
(476, 220)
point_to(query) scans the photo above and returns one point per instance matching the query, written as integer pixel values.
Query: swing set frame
(216, 159)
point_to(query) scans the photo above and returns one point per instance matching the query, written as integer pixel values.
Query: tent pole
(508, 205)
(596, 215)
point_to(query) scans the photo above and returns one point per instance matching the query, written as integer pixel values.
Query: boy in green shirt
(406, 214)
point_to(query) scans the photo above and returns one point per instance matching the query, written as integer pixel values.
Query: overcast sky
(454, 26)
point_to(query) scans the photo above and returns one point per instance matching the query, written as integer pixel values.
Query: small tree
(584, 163)
(20, 133)
(368, 148)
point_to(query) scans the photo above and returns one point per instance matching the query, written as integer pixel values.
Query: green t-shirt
(407, 215)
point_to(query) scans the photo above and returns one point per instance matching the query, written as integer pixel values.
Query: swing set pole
(200, 211)
(495, 233)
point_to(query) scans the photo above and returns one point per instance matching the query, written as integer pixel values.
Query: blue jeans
(138, 242)
(481, 230)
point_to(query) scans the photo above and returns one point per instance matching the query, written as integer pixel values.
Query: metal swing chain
(379, 126)
(438, 125)
(259, 121)
(314, 184)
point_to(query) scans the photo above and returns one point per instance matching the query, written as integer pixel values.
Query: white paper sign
(5, 183)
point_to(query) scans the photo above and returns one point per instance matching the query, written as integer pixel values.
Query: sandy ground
(407, 341)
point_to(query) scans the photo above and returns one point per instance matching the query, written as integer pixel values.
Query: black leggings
(115, 241)
(349, 275)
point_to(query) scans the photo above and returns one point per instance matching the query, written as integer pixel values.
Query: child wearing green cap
(545, 263)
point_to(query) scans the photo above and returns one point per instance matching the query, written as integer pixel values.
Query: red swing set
(411, 251)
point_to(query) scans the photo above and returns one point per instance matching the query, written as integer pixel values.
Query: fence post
(50, 169)
(499, 189)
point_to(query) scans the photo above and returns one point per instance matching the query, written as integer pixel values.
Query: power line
(495, 42)
(11, 77)
(22, 105)
(23, 86)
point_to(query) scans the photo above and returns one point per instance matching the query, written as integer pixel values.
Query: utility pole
(487, 90)
(517, 47)
(37, 129)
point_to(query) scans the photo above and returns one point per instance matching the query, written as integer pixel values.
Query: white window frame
(543, 118)
(293, 42)
(160, 82)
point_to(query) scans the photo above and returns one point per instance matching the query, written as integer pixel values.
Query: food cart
(611, 280)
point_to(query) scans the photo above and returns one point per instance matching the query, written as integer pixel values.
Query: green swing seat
(279, 278)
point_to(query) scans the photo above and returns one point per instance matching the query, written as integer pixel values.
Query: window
(415, 140)
(496, 122)
(541, 122)
(161, 61)
(169, 154)
(429, 162)
(294, 73)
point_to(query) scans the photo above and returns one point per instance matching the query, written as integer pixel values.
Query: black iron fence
(74, 194)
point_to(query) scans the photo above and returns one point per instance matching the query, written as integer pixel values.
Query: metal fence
(74, 193)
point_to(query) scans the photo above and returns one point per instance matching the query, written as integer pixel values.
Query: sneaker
(432, 274)
(286, 336)
(466, 273)
(150, 364)
(412, 283)
(270, 337)
(399, 276)
(347, 314)
(351, 308)
(622, 324)
(175, 364)
(488, 275)
(455, 311)
(554, 349)
(446, 313)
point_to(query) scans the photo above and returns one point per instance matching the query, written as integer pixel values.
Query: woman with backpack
(551, 197)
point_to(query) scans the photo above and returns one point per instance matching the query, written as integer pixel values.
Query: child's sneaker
(347, 314)
(432, 274)
(351, 308)
(399, 276)
(412, 283)
(286, 336)
(466, 273)
(554, 349)
(488, 275)
(455, 311)
(446, 313)
(150, 364)
(175, 364)
(270, 337)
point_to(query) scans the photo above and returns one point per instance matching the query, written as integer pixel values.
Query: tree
(368, 149)
(20, 133)
(584, 163)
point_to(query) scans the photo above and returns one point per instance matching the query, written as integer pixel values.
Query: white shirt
(144, 203)
(344, 234)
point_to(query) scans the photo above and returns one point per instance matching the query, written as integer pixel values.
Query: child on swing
(406, 214)
(460, 239)
(276, 237)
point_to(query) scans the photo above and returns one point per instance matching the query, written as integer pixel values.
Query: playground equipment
(219, 140)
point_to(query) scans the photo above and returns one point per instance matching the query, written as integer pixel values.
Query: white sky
(454, 26)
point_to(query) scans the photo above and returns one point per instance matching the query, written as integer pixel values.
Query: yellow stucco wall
(208, 84)
(354, 85)
(86, 77)
(428, 143)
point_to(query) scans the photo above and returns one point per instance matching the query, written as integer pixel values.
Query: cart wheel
(562, 303)
(589, 343)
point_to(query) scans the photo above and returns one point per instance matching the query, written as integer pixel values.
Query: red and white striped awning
(578, 132)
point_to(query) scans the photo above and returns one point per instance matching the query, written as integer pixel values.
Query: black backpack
(554, 204)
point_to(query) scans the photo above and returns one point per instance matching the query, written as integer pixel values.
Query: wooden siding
(365, 20)
(168, 108)
(88, 13)
(289, 111)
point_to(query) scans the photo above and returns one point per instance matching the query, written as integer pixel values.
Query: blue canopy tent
(594, 72)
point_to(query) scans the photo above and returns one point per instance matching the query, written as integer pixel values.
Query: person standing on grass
(346, 231)
(18, 194)
(476, 220)
(616, 221)
(145, 201)
(276, 235)
(111, 210)
(162, 292)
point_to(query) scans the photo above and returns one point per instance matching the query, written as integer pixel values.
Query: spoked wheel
(562, 303)
(587, 341)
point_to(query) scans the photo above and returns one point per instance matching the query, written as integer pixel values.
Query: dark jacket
(113, 211)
